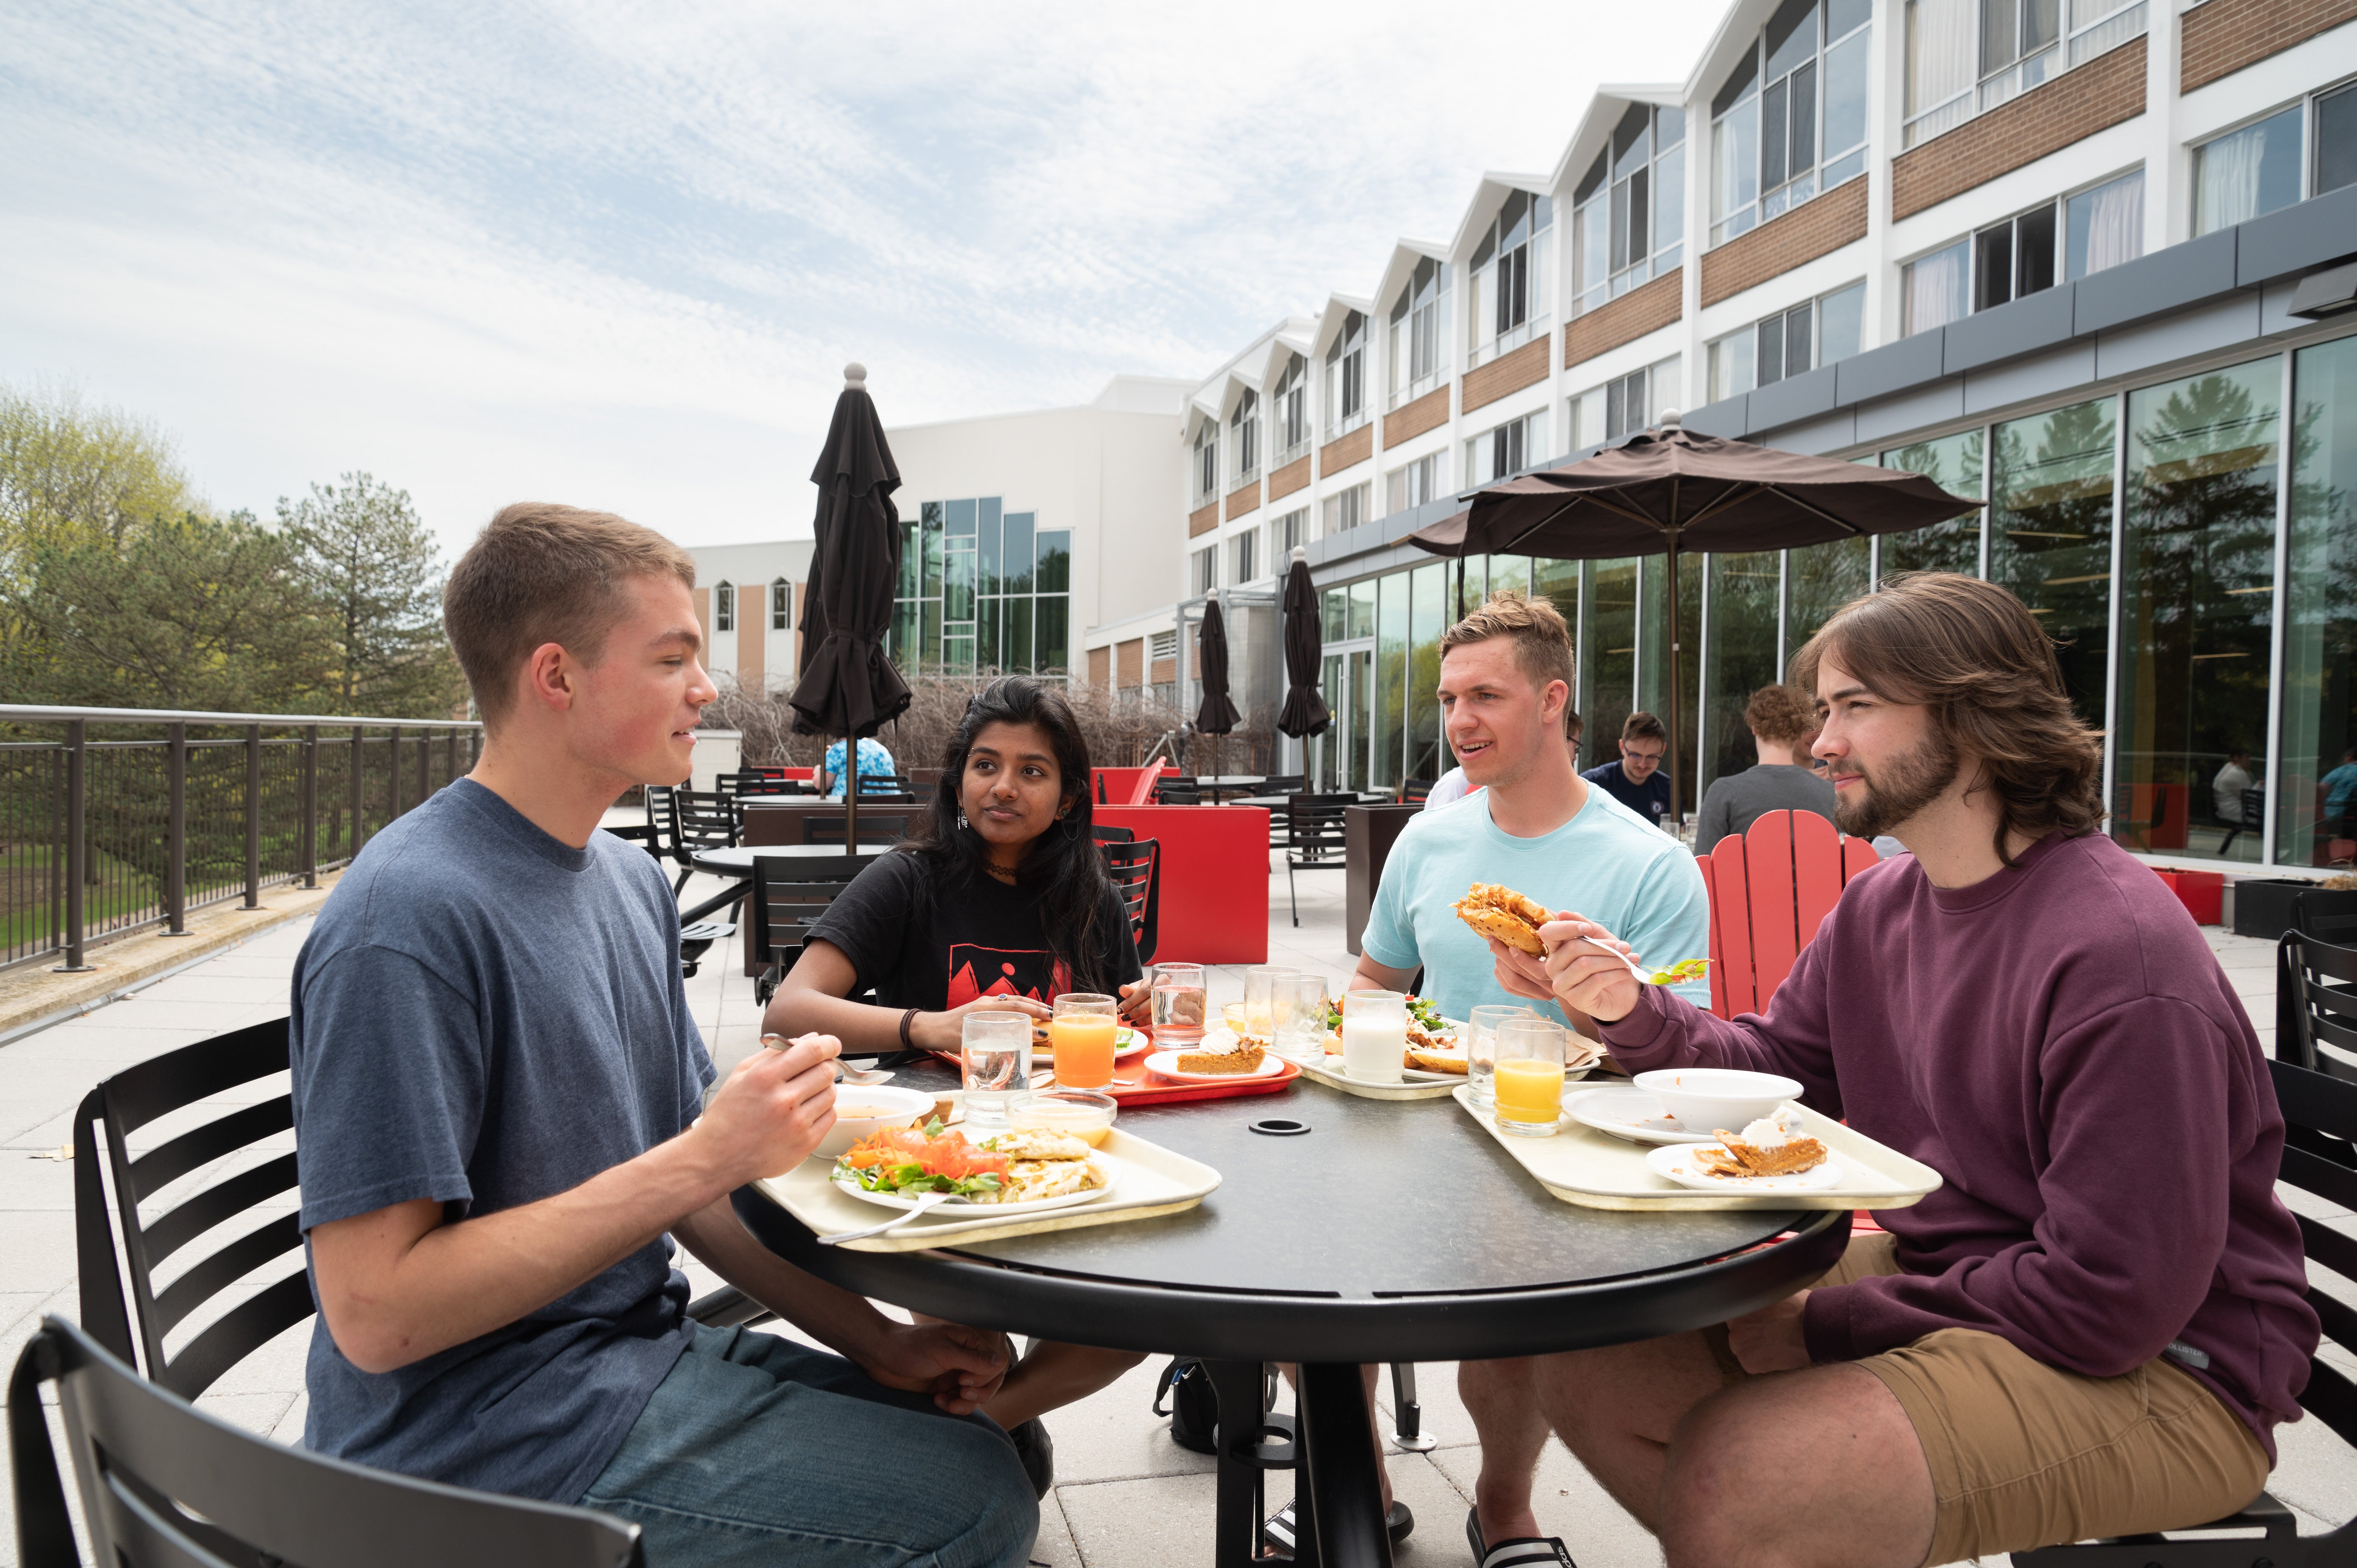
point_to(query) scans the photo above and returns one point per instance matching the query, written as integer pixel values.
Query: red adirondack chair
(1768, 892)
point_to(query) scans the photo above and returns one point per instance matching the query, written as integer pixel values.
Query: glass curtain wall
(1391, 679)
(2197, 586)
(1608, 655)
(1654, 667)
(1429, 589)
(1953, 463)
(1742, 655)
(982, 588)
(2313, 824)
(1818, 580)
(2051, 534)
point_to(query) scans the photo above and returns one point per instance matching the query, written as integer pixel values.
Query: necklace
(1000, 872)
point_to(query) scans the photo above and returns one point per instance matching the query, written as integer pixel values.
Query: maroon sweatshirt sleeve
(1666, 1030)
(2133, 1186)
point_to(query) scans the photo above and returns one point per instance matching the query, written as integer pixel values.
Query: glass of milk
(1374, 1035)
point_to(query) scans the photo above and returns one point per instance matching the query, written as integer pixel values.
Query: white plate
(1676, 1161)
(1629, 1113)
(1165, 1063)
(961, 1206)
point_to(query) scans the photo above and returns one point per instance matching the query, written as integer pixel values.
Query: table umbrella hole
(1279, 1127)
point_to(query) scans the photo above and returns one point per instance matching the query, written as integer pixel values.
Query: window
(2014, 259)
(1286, 532)
(782, 605)
(2104, 227)
(1934, 289)
(1791, 120)
(1584, 421)
(1206, 462)
(2265, 167)
(1347, 509)
(1346, 378)
(1207, 572)
(1419, 328)
(1164, 644)
(982, 588)
(1245, 552)
(1506, 451)
(1813, 333)
(1624, 405)
(1507, 304)
(724, 608)
(1413, 484)
(1244, 430)
(1628, 214)
(1967, 56)
(1289, 406)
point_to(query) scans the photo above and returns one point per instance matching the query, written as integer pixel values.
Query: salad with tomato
(906, 1161)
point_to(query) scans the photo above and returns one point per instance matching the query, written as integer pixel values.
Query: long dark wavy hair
(1061, 869)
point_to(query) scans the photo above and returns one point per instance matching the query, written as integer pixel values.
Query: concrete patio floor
(1127, 1496)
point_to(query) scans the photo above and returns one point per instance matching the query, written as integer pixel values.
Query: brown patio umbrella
(1305, 711)
(1670, 490)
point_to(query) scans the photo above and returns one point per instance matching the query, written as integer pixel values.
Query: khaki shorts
(2023, 1454)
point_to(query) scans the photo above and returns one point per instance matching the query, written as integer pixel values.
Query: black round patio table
(1392, 1231)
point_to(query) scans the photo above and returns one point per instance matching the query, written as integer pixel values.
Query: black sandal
(1276, 1532)
(1522, 1552)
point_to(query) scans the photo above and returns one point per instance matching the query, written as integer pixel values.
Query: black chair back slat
(224, 1200)
(875, 827)
(2340, 1319)
(1313, 823)
(139, 1095)
(2335, 1250)
(200, 1146)
(1135, 867)
(1104, 834)
(238, 1333)
(701, 819)
(2316, 1104)
(1178, 792)
(1416, 790)
(203, 1281)
(2318, 1169)
(788, 888)
(2313, 917)
(2316, 996)
(2331, 1398)
(222, 1496)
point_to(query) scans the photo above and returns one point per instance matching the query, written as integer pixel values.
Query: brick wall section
(751, 675)
(2224, 36)
(2049, 117)
(1508, 373)
(1413, 419)
(1165, 671)
(703, 620)
(1355, 448)
(1294, 475)
(1130, 662)
(1809, 231)
(1243, 500)
(1203, 519)
(1099, 666)
(1625, 319)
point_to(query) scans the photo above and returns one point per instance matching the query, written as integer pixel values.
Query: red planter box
(2203, 894)
(1214, 869)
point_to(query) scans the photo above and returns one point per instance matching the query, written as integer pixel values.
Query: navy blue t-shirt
(485, 1017)
(1649, 800)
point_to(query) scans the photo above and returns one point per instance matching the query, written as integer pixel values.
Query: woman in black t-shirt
(1000, 903)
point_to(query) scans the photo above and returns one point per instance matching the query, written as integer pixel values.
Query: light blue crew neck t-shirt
(1606, 863)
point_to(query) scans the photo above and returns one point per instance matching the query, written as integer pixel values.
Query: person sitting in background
(875, 762)
(2226, 789)
(1783, 723)
(1637, 780)
(1454, 785)
(2339, 785)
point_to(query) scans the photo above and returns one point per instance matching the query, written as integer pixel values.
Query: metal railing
(116, 819)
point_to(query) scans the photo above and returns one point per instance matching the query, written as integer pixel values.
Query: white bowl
(901, 1108)
(1706, 1099)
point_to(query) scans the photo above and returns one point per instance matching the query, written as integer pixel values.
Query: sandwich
(1043, 1164)
(1765, 1148)
(1437, 1059)
(1505, 915)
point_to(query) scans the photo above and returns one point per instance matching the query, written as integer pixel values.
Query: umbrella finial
(1301, 552)
(1670, 418)
(855, 376)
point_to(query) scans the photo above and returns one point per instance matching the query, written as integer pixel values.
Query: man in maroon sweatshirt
(2092, 1327)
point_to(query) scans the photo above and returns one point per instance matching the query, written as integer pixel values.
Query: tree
(67, 469)
(369, 562)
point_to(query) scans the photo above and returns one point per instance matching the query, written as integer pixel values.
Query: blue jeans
(757, 1450)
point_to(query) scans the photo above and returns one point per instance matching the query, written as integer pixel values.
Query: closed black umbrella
(1670, 490)
(848, 686)
(1216, 716)
(1305, 711)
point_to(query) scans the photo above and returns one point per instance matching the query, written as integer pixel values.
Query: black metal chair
(1283, 784)
(1313, 838)
(166, 1486)
(1415, 791)
(1179, 791)
(1135, 867)
(649, 835)
(789, 893)
(700, 819)
(875, 827)
(750, 783)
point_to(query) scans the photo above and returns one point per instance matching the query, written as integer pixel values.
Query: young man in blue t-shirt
(500, 1127)
(1637, 780)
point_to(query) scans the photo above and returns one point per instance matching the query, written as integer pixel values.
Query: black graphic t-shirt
(979, 939)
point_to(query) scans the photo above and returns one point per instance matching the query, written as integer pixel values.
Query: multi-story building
(2090, 261)
(748, 597)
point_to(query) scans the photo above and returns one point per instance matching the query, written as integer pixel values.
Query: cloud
(619, 253)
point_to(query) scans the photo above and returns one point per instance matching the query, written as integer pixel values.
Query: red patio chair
(1770, 889)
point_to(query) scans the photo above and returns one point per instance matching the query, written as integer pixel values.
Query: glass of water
(1260, 991)
(1298, 1003)
(1482, 1050)
(995, 1049)
(1177, 996)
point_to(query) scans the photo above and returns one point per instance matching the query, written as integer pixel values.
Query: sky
(618, 254)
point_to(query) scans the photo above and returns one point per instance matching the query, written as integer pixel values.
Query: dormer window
(1206, 462)
(1419, 328)
(782, 605)
(1507, 304)
(1243, 434)
(1346, 377)
(1290, 407)
(724, 608)
(1630, 213)
(1791, 120)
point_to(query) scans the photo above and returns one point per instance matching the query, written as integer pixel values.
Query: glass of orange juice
(1082, 1037)
(1530, 1076)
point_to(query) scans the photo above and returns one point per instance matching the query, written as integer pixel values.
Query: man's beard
(1897, 789)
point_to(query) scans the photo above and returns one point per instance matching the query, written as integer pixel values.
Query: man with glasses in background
(1637, 780)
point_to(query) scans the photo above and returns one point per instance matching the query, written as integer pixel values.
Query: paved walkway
(1126, 1495)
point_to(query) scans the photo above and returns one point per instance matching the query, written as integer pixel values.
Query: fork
(930, 1200)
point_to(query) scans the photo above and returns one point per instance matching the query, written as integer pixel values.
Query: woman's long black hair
(1062, 867)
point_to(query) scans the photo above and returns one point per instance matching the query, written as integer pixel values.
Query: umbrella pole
(1677, 802)
(850, 794)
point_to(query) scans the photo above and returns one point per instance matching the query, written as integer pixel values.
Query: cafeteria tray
(1597, 1170)
(1152, 1090)
(1154, 1181)
(1406, 1089)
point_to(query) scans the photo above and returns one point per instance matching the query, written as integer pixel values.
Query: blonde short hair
(1542, 641)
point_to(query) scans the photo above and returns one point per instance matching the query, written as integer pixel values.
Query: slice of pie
(1246, 1057)
(1763, 1149)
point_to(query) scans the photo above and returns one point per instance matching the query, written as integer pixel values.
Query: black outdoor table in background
(738, 863)
(1390, 1231)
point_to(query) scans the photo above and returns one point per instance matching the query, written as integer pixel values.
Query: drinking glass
(1259, 988)
(1298, 1003)
(1375, 1035)
(1178, 1004)
(1530, 1076)
(1082, 1036)
(995, 1051)
(1481, 1049)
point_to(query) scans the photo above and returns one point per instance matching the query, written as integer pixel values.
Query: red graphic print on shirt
(976, 972)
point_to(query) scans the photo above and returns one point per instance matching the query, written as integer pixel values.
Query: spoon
(930, 1200)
